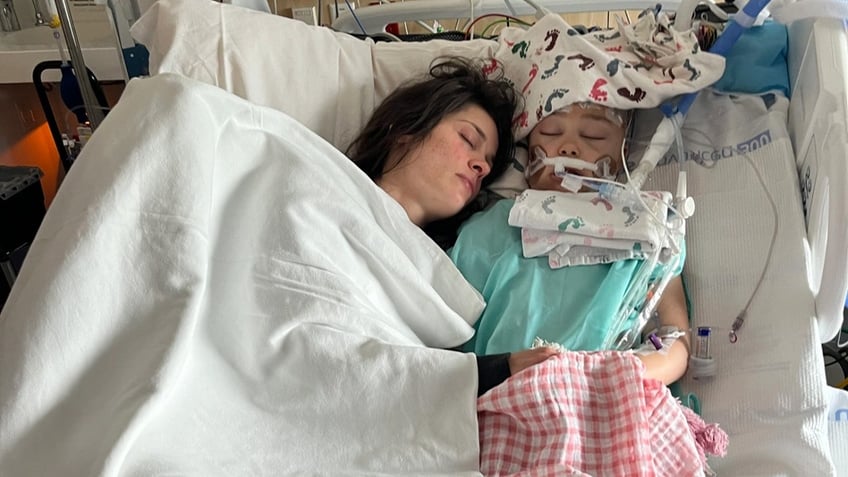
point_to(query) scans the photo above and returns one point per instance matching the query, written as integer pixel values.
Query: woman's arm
(495, 369)
(670, 366)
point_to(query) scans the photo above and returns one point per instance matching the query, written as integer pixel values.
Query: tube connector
(663, 138)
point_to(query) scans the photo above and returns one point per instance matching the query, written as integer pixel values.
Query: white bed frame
(818, 118)
(375, 18)
(818, 64)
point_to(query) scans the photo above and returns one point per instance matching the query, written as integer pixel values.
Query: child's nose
(569, 148)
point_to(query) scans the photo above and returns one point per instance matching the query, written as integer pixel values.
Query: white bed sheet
(227, 294)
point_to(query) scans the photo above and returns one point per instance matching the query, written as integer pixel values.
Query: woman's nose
(481, 167)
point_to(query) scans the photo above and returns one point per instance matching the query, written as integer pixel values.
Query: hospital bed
(767, 237)
(814, 124)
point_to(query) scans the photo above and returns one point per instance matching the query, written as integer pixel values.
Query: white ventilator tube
(666, 129)
(667, 132)
(660, 142)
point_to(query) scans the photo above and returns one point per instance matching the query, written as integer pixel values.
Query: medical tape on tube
(561, 163)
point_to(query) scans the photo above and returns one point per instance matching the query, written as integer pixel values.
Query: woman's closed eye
(467, 140)
(470, 137)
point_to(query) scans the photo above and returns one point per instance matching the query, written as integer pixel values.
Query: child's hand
(524, 359)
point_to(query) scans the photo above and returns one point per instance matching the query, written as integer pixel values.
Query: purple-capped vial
(656, 341)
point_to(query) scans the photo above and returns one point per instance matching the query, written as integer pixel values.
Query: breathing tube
(636, 300)
(602, 169)
(642, 294)
(673, 115)
(668, 131)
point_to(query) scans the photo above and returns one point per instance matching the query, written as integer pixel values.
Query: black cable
(415, 37)
(838, 356)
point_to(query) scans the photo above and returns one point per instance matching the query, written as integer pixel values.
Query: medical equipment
(8, 17)
(702, 342)
(660, 340)
(701, 363)
(572, 182)
(643, 294)
(59, 124)
(89, 97)
(668, 129)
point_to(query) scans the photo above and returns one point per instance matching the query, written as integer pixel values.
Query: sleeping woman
(284, 314)
(434, 157)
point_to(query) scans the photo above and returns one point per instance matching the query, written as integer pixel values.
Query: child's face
(586, 132)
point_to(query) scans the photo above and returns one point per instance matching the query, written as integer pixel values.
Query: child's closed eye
(594, 134)
(550, 132)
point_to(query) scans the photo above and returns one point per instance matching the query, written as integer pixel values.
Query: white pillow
(321, 78)
(398, 62)
(331, 82)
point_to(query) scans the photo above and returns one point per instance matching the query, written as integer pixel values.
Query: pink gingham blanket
(582, 413)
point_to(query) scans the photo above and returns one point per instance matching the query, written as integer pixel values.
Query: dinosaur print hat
(636, 66)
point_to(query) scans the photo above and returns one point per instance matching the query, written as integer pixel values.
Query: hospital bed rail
(373, 19)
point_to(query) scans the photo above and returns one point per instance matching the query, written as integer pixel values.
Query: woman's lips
(469, 184)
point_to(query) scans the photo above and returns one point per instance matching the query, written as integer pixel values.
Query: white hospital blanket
(217, 291)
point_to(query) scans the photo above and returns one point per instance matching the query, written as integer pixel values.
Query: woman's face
(581, 132)
(439, 176)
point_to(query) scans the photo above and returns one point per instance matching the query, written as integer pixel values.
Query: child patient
(576, 89)
(573, 306)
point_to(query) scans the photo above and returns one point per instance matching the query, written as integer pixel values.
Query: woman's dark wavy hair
(414, 109)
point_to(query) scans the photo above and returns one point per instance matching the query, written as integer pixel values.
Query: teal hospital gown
(573, 306)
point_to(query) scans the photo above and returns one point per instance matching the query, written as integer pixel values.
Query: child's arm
(668, 367)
